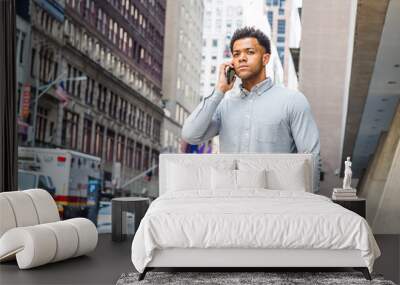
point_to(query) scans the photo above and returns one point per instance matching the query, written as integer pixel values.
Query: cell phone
(230, 74)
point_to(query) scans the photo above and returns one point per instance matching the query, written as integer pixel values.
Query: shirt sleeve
(305, 133)
(205, 121)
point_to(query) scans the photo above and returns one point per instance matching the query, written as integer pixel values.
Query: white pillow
(282, 174)
(223, 179)
(251, 178)
(292, 178)
(187, 177)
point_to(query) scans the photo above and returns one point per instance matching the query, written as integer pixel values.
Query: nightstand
(357, 205)
(136, 205)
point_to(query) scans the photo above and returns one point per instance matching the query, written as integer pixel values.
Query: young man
(259, 117)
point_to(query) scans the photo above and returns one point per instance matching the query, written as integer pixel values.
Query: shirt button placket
(247, 125)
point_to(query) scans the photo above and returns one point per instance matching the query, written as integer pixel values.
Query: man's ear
(266, 57)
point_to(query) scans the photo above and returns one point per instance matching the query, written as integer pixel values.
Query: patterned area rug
(275, 278)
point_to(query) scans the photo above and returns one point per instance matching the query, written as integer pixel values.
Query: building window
(270, 18)
(115, 33)
(214, 42)
(110, 145)
(33, 73)
(46, 64)
(102, 98)
(141, 120)
(281, 53)
(281, 26)
(41, 125)
(21, 48)
(155, 159)
(69, 134)
(120, 38)
(213, 69)
(281, 39)
(130, 115)
(112, 106)
(142, 53)
(126, 12)
(138, 156)
(110, 29)
(99, 19)
(89, 91)
(125, 42)
(104, 25)
(120, 148)
(85, 10)
(79, 85)
(148, 125)
(146, 158)
(129, 153)
(134, 117)
(99, 138)
(87, 136)
(123, 110)
(92, 13)
(130, 45)
(156, 130)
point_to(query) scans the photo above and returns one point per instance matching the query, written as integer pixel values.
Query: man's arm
(305, 133)
(204, 122)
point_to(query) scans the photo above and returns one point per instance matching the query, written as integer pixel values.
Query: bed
(245, 211)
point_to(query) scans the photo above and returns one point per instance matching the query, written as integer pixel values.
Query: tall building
(181, 68)
(284, 19)
(350, 73)
(325, 66)
(106, 57)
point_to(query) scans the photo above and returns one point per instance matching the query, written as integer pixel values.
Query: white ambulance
(76, 176)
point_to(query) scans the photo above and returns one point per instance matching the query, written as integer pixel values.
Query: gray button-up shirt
(268, 119)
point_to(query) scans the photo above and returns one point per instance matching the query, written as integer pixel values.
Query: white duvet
(250, 219)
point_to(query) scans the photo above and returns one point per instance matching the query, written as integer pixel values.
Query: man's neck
(248, 84)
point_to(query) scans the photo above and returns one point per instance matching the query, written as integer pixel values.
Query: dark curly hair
(251, 32)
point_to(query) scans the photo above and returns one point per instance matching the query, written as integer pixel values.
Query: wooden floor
(111, 259)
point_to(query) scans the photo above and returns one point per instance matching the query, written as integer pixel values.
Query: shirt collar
(258, 89)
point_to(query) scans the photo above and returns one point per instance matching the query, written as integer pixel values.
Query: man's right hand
(223, 85)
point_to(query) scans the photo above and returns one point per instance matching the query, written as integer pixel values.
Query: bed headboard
(212, 159)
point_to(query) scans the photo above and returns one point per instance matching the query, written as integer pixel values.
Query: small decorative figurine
(347, 174)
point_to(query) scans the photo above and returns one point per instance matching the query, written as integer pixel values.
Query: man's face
(249, 58)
